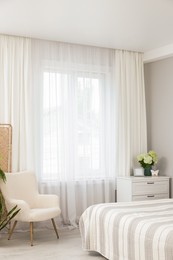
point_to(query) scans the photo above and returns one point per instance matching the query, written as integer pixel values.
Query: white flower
(147, 159)
(140, 157)
(153, 155)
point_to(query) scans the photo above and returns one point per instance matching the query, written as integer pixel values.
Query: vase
(147, 170)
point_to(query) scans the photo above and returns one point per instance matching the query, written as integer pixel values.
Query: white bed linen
(129, 231)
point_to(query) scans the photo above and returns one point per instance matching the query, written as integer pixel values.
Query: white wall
(159, 100)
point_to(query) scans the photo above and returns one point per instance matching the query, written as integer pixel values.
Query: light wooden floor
(46, 246)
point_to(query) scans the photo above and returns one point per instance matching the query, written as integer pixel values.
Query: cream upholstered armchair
(21, 189)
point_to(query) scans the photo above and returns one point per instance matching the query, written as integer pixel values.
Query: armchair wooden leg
(31, 233)
(11, 231)
(9, 227)
(56, 231)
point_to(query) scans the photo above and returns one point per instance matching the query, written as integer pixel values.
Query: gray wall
(159, 102)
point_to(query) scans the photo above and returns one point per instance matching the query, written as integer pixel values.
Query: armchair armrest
(22, 205)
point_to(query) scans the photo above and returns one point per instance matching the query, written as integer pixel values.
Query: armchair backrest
(20, 185)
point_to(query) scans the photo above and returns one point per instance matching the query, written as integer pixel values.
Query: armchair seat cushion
(43, 214)
(36, 215)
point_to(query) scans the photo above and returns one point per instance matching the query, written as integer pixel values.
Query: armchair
(21, 189)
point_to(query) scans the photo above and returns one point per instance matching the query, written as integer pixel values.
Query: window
(73, 125)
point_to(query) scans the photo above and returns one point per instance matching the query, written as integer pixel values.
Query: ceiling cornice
(158, 54)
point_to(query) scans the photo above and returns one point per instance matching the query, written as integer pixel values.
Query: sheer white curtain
(16, 97)
(77, 124)
(132, 129)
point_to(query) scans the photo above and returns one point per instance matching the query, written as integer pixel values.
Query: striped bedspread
(129, 231)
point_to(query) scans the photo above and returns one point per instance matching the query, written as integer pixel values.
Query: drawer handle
(150, 196)
(150, 182)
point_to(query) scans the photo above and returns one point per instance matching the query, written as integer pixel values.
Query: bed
(129, 231)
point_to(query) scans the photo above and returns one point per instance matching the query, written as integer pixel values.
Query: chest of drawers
(142, 188)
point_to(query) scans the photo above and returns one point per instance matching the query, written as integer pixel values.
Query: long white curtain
(16, 97)
(76, 113)
(132, 129)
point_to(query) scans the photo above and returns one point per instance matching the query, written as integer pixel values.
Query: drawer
(150, 187)
(150, 197)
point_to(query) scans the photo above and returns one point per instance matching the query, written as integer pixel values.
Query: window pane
(52, 114)
(88, 126)
(72, 125)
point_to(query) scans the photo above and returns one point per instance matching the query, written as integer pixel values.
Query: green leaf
(2, 175)
(11, 211)
(10, 215)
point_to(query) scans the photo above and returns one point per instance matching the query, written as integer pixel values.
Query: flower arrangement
(147, 159)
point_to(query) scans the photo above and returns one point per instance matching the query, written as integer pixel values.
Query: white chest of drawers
(142, 188)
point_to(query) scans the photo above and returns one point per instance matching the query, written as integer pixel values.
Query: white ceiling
(139, 25)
